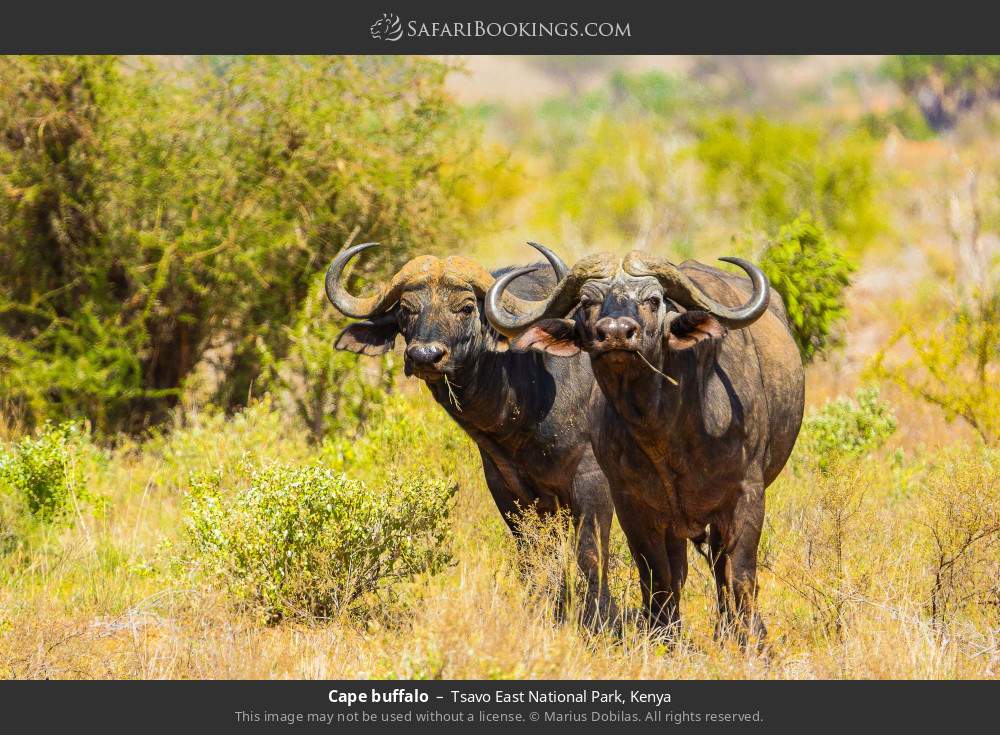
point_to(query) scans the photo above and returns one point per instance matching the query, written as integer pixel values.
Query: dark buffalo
(527, 412)
(702, 400)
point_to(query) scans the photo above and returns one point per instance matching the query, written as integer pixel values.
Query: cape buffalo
(702, 402)
(527, 412)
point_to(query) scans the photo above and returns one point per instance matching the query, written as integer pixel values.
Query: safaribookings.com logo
(390, 28)
(387, 28)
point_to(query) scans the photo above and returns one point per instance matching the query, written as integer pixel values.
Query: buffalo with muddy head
(527, 412)
(702, 393)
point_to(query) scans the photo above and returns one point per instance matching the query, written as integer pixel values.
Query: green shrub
(811, 275)
(960, 518)
(621, 182)
(410, 435)
(328, 389)
(212, 441)
(653, 91)
(951, 362)
(972, 71)
(845, 428)
(154, 217)
(42, 473)
(12, 524)
(306, 541)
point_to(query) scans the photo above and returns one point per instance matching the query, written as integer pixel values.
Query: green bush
(157, 216)
(811, 275)
(845, 428)
(621, 182)
(306, 541)
(653, 91)
(951, 362)
(327, 388)
(411, 435)
(42, 473)
(212, 441)
(960, 519)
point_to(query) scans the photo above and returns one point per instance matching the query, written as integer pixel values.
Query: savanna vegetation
(193, 483)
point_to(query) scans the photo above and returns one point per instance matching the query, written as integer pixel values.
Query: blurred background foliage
(945, 86)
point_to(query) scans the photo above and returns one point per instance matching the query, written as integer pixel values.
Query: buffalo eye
(653, 302)
(467, 309)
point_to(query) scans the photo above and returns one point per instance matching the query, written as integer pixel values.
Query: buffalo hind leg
(733, 548)
(719, 560)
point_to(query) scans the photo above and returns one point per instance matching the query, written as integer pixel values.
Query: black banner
(557, 706)
(451, 27)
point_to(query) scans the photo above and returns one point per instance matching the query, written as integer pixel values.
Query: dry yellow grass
(843, 596)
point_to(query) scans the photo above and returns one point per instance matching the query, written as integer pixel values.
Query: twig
(643, 358)
(451, 394)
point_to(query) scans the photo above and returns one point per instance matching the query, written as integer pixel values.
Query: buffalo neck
(643, 397)
(496, 394)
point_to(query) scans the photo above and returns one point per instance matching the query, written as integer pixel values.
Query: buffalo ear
(692, 327)
(370, 337)
(555, 336)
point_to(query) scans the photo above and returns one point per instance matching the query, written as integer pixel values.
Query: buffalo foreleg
(592, 513)
(656, 557)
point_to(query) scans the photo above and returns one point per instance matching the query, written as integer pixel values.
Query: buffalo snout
(426, 354)
(617, 333)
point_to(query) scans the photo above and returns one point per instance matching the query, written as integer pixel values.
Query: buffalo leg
(592, 513)
(660, 593)
(505, 499)
(676, 547)
(749, 523)
(592, 519)
(507, 504)
(734, 556)
(719, 560)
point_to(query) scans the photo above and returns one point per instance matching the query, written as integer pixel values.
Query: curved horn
(561, 269)
(347, 303)
(510, 326)
(684, 291)
(753, 309)
(510, 315)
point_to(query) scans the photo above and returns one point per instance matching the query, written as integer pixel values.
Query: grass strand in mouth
(451, 394)
(651, 367)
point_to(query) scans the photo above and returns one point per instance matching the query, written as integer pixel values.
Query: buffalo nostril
(425, 354)
(613, 329)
